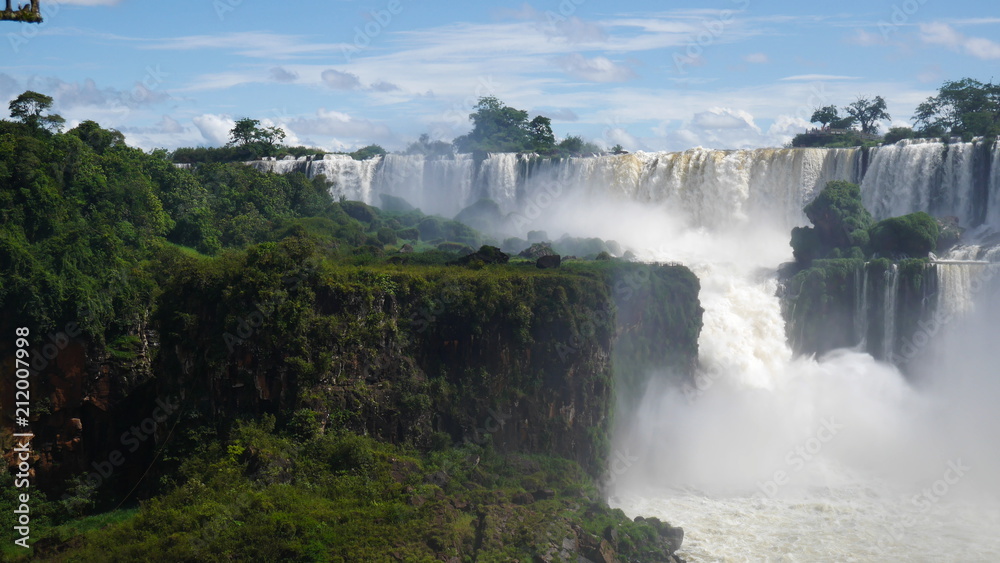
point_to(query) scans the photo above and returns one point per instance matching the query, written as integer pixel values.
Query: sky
(342, 74)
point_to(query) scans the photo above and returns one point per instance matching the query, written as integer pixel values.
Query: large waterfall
(768, 456)
(708, 187)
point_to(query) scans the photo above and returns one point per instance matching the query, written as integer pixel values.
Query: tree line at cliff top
(965, 108)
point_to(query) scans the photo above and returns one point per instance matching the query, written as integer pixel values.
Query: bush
(914, 235)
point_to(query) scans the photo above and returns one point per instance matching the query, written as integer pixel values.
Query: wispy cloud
(254, 44)
(939, 33)
(597, 69)
(817, 77)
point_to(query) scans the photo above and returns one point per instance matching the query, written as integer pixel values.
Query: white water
(772, 458)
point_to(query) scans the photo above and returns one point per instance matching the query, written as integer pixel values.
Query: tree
(897, 134)
(576, 146)
(427, 147)
(29, 107)
(964, 107)
(542, 138)
(496, 128)
(825, 115)
(371, 151)
(259, 141)
(99, 139)
(868, 113)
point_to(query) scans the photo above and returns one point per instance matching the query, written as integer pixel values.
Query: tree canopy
(501, 128)
(964, 107)
(30, 108)
(260, 141)
(868, 113)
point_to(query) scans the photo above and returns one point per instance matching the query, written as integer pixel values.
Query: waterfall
(861, 307)
(709, 188)
(955, 179)
(889, 301)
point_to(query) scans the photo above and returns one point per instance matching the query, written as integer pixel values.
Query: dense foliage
(965, 108)
(840, 222)
(500, 128)
(345, 419)
(914, 235)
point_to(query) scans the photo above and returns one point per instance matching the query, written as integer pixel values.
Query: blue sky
(342, 74)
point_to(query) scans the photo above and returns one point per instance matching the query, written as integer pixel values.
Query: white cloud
(572, 28)
(562, 114)
(724, 118)
(340, 80)
(756, 58)
(938, 33)
(598, 69)
(249, 44)
(338, 124)
(214, 128)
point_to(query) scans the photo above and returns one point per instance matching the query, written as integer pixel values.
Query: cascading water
(771, 457)
(889, 301)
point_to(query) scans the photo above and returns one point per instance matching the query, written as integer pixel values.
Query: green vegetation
(500, 128)
(963, 108)
(846, 258)
(264, 494)
(258, 141)
(341, 399)
(843, 228)
(966, 108)
(29, 107)
(914, 235)
(840, 222)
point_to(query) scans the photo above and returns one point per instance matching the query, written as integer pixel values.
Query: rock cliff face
(514, 356)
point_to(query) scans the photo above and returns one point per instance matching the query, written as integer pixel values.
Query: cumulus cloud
(724, 118)
(338, 124)
(68, 95)
(938, 33)
(214, 128)
(340, 80)
(598, 69)
(280, 74)
(382, 86)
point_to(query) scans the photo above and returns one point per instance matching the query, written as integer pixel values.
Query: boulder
(549, 261)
